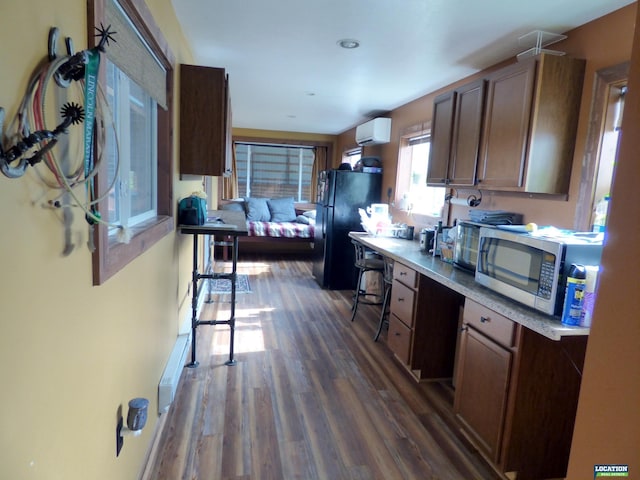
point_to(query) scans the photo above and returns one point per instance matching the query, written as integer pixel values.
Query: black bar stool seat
(366, 260)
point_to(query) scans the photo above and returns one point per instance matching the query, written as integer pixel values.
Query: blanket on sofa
(280, 229)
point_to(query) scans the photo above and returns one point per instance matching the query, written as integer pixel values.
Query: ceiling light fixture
(348, 43)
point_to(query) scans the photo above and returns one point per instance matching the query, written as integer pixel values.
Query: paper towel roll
(459, 201)
(589, 295)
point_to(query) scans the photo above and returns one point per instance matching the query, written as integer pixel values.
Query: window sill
(117, 255)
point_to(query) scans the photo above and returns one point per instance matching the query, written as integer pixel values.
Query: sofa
(274, 224)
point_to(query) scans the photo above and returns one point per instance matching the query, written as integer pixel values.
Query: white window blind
(274, 171)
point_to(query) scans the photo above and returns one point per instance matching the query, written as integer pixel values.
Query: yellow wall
(280, 135)
(71, 353)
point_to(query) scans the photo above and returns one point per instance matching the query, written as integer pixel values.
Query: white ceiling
(287, 73)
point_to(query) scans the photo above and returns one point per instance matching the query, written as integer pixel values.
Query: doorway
(602, 142)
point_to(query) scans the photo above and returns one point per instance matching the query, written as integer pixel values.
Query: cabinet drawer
(405, 275)
(490, 323)
(402, 302)
(399, 339)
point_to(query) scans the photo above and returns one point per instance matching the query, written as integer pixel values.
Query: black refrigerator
(340, 194)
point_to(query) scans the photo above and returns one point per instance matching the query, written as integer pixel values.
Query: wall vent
(171, 375)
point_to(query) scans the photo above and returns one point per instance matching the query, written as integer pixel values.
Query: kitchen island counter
(408, 253)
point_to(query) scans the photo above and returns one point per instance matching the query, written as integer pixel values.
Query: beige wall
(71, 353)
(608, 421)
(603, 43)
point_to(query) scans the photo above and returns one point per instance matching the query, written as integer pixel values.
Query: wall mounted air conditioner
(374, 132)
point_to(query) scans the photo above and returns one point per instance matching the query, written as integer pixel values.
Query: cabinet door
(204, 123)
(466, 134)
(506, 126)
(481, 389)
(441, 131)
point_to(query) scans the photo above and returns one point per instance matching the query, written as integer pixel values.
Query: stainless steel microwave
(465, 253)
(531, 269)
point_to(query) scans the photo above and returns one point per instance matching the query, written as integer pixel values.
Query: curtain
(319, 164)
(230, 183)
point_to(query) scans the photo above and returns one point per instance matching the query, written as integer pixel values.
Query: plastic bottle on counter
(600, 218)
(437, 239)
(574, 295)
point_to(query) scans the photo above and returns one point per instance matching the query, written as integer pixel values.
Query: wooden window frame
(604, 78)
(110, 256)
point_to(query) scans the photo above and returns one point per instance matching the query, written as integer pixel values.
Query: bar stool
(364, 262)
(387, 278)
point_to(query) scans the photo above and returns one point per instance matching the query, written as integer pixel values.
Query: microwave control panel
(547, 273)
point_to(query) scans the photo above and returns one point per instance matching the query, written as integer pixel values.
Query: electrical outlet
(119, 439)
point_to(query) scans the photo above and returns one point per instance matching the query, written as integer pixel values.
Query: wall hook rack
(14, 160)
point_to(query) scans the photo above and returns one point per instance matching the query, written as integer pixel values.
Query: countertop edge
(408, 253)
(233, 224)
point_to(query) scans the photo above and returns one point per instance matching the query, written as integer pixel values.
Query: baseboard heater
(171, 375)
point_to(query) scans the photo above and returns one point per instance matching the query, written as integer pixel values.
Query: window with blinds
(274, 171)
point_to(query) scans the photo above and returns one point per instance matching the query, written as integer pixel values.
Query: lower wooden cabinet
(516, 393)
(482, 387)
(423, 323)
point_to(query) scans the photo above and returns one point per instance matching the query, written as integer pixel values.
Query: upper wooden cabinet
(530, 125)
(441, 131)
(205, 121)
(455, 136)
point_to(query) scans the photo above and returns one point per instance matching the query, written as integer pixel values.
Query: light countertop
(408, 253)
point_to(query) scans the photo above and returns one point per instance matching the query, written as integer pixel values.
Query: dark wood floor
(311, 396)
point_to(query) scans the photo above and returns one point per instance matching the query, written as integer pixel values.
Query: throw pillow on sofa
(233, 206)
(257, 209)
(282, 209)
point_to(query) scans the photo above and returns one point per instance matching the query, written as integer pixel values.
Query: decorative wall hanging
(28, 141)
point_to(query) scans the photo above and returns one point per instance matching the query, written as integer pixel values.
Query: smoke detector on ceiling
(536, 41)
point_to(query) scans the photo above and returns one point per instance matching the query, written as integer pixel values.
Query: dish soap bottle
(600, 218)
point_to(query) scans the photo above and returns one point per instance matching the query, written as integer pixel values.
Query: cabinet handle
(485, 319)
(464, 328)
(400, 299)
(479, 180)
(402, 274)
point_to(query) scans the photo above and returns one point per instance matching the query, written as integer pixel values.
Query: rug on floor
(222, 286)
